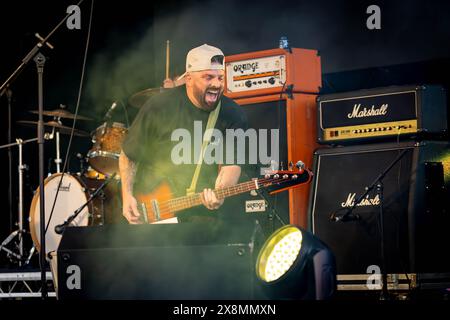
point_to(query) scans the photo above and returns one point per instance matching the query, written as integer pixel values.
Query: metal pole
(384, 290)
(21, 168)
(58, 160)
(10, 197)
(40, 62)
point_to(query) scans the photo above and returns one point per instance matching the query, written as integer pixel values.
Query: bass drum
(71, 196)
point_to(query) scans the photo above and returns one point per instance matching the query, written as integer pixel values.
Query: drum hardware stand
(49, 136)
(377, 184)
(19, 233)
(99, 217)
(102, 197)
(9, 94)
(83, 162)
(30, 255)
(58, 160)
(59, 229)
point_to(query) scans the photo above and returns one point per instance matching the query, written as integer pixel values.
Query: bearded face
(205, 88)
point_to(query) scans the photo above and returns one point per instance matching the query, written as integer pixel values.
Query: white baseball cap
(204, 57)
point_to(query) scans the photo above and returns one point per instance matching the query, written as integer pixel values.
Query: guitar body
(161, 194)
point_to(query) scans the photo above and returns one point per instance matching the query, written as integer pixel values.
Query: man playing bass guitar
(149, 157)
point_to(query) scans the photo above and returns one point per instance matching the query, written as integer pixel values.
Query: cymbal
(53, 124)
(138, 99)
(61, 113)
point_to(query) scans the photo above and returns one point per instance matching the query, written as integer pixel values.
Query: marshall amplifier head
(382, 113)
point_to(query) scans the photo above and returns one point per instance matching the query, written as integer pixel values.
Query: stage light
(294, 264)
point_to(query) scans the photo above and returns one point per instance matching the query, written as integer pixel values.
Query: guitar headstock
(286, 179)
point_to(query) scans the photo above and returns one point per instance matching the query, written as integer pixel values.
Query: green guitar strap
(212, 119)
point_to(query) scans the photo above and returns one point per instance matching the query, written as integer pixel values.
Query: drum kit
(66, 192)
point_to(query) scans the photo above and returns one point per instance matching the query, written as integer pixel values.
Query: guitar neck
(187, 202)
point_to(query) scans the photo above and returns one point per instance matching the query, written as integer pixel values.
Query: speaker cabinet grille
(414, 227)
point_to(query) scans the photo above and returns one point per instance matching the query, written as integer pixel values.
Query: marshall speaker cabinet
(382, 113)
(415, 206)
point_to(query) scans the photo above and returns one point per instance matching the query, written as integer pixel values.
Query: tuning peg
(294, 177)
(276, 176)
(291, 165)
(300, 165)
(285, 176)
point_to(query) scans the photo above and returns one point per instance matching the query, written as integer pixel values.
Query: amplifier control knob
(248, 83)
(272, 80)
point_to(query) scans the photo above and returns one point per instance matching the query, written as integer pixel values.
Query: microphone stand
(59, 229)
(379, 188)
(39, 59)
(272, 212)
(40, 62)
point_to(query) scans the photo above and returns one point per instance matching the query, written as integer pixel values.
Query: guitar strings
(178, 204)
(173, 205)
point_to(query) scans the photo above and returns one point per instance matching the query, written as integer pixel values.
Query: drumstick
(167, 58)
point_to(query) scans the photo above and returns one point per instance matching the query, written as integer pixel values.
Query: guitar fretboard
(186, 202)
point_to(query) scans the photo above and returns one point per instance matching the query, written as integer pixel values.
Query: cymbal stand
(58, 159)
(20, 231)
(49, 136)
(22, 167)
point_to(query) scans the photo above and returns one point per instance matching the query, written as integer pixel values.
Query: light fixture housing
(294, 264)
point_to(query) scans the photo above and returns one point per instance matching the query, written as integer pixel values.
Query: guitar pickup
(155, 207)
(144, 212)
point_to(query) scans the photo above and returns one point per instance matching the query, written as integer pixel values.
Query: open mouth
(211, 96)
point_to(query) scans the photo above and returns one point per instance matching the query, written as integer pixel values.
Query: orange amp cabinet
(278, 88)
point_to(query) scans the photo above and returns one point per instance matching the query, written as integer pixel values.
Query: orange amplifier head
(268, 71)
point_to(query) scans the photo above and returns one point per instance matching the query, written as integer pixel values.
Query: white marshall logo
(372, 112)
(350, 202)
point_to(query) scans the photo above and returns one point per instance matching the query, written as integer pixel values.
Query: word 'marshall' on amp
(257, 146)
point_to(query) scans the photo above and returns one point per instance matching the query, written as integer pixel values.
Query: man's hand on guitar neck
(228, 176)
(210, 200)
(130, 210)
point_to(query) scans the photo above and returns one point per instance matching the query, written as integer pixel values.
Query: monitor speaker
(164, 261)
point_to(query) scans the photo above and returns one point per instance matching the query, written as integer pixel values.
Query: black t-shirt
(171, 115)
